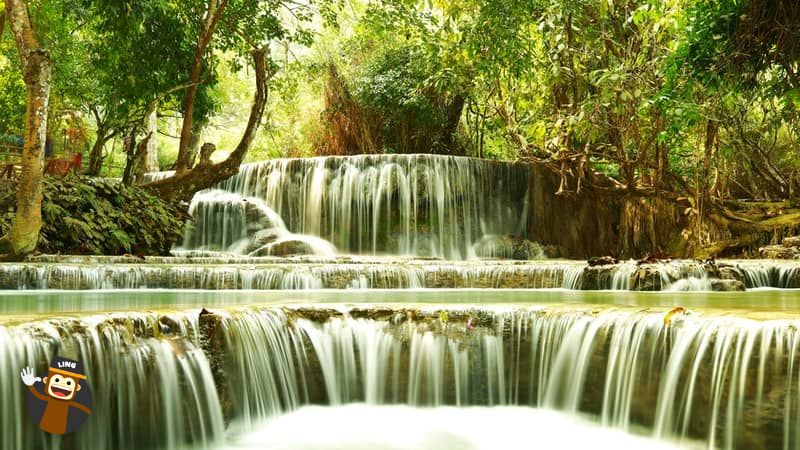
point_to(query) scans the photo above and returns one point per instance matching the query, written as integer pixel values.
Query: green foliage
(292, 113)
(665, 94)
(102, 217)
(12, 92)
(140, 52)
(395, 85)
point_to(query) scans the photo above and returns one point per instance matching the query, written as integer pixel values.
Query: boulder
(602, 261)
(646, 278)
(730, 273)
(727, 285)
(779, 252)
(792, 241)
(260, 217)
(262, 238)
(287, 248)
(597, 277)
(524, 250)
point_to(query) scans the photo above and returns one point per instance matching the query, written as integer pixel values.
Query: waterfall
(219, 273)
(149, 392)
(771, 274)
(423, 205)
(166, 381)
(294, 275)
(630, 368)
(228, 222)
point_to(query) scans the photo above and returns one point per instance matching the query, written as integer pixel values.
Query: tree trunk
(135, 169)
(23, 236)
(454, 110)
(96, 153)
(129, 149)
(213, 14)
(195, 142)
(151, 152)
(182, 186)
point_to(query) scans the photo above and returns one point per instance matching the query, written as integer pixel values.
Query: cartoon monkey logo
(64, 404)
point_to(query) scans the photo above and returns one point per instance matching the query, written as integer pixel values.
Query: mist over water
(363, 427)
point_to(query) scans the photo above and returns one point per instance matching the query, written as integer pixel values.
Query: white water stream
(423, 205)
(364, 427)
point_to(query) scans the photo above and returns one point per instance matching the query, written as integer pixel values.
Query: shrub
(100, 216)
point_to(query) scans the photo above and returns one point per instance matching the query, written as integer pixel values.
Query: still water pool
(48, 302)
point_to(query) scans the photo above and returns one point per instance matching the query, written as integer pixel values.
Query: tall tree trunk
(195, 142)
(129, 149)
(23, 236)
(453, 117)
(703, 196)
(182, 186)
(214, 12)
(151, 152)
(96, 153)
(135, 167)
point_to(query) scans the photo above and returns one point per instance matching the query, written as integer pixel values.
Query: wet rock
(319, 315)
(597, 277)
(647, 278)
(212, 341)
(730, 273)
(657, 258)
(167, 325)
(602, 261)
(259, 218)
(727, 285)
(524, 250)
(286, 248)
(792, 241)
(8, 280)
(376, 313)
(709, 267)
(440, 279)
(555, 251)
(262, 238)
(779, 252)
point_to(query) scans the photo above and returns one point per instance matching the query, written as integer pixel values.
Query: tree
(249, 26)
(183, 186)
(37, 70)
(140, 51)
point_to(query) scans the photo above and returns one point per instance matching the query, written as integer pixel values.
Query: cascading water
(294, 275)
(724, 380)
(228, 222)
(769, 274)
(164, 381)
(148, 392)
(389, 273)
(423, 205)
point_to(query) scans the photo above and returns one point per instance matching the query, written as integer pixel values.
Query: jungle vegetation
(692, 102)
